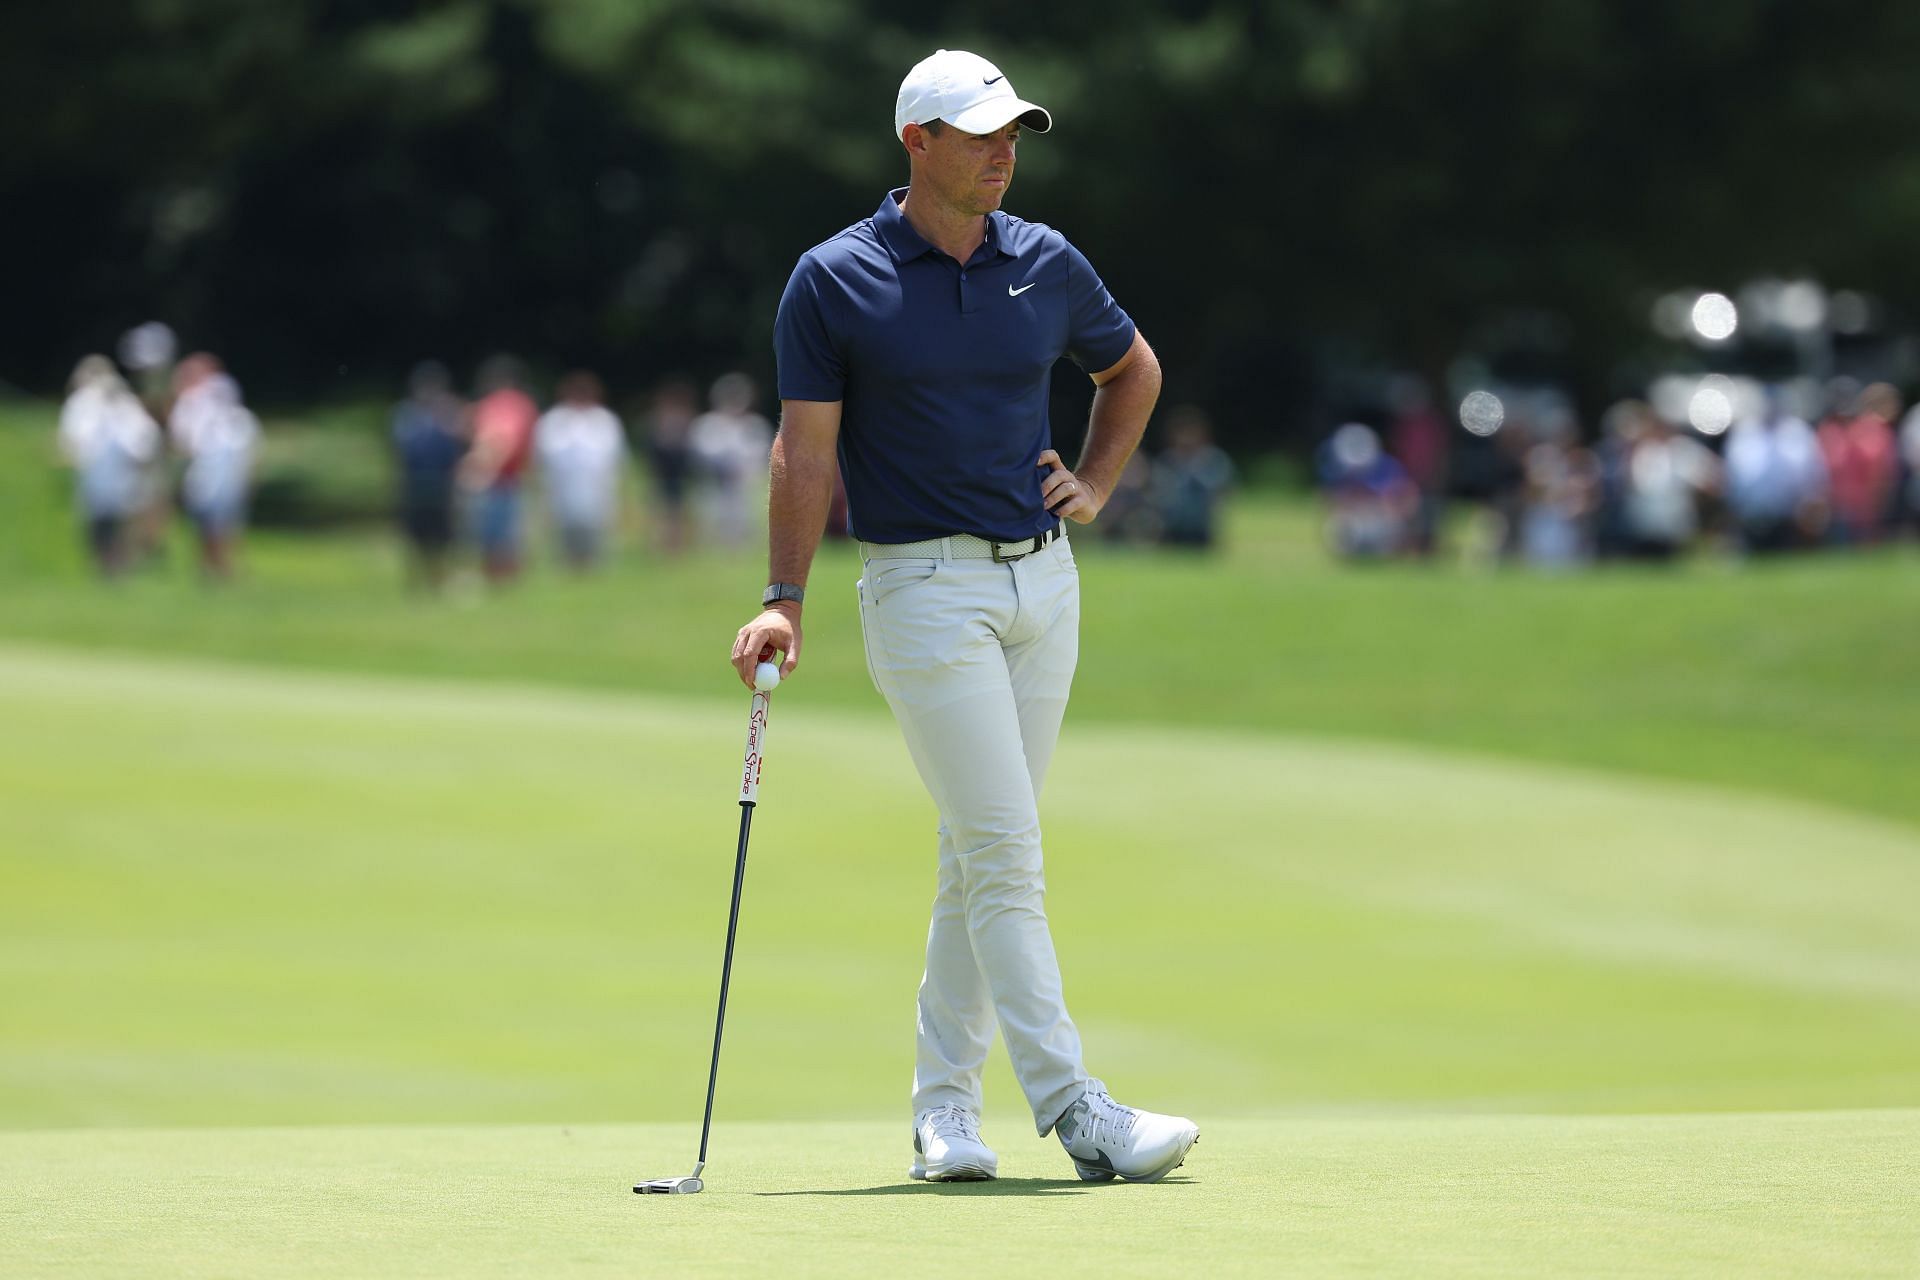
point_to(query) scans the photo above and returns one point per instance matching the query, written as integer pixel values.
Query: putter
(765, 677)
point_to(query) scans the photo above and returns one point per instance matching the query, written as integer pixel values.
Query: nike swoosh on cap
(995, 80)
(1014, 293)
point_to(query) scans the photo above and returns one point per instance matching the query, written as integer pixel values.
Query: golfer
(917, 346)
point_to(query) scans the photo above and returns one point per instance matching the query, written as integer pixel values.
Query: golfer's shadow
(993, 1187)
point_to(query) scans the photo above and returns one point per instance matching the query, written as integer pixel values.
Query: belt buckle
(1028, 545)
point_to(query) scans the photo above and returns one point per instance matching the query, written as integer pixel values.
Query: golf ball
(766, 677)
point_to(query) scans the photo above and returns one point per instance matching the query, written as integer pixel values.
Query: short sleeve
(807, 353)
(1099, 333)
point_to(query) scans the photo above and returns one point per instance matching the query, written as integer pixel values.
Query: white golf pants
(976, 657)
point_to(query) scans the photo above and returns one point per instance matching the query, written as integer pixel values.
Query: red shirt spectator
(503, 422)
(1863, 462)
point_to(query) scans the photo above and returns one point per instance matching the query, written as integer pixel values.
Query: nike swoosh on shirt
(1014, 293)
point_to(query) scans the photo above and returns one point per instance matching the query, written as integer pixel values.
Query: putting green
(1790, 1195)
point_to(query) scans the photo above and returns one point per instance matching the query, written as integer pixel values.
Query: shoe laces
(1107, 1120)
(953, 1122)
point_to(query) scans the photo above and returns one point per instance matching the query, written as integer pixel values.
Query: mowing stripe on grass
(235, 897)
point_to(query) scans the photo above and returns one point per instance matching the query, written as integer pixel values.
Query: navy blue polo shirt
(942, 370)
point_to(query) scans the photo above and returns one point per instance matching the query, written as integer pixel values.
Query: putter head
(670, 1186)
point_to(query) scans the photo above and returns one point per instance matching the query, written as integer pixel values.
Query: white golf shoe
(947, 1147)
(1107, 1140)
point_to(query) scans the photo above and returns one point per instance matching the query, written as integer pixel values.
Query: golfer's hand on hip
(1066, 494)
(776, 630)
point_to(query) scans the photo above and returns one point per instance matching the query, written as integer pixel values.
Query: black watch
(779, 591)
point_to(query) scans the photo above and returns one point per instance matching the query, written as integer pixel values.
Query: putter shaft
(749, 790)
(726, 971)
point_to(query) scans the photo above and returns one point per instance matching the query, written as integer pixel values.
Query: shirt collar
(902, 241)
(906, 244)
(997, 234)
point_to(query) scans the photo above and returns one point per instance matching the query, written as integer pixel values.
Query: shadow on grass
(995, 1187)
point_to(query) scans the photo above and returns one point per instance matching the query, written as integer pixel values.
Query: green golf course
(1487, 923)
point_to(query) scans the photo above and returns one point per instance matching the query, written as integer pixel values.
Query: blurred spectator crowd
(1174, 498)
(473, 472)
(1766, 480)
(1512, 479)
(465, 466)
(127, 466)
(476, 473)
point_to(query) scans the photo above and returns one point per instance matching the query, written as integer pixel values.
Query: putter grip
(756, 743)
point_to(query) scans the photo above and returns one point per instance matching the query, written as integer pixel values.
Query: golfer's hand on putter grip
(776, 630)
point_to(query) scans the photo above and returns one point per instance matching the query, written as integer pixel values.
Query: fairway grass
(1788, 1195)
(247, 897)
(345, 975)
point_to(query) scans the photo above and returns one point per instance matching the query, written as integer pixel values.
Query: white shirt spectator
(209, 419)
(581, 450)
(1910, 454)
(732, 448)
(217, 435)
(1665, 475)
(1773, 467)
(110, 439)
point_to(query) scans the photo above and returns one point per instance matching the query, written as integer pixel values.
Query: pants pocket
(866, 634)
(887, 577)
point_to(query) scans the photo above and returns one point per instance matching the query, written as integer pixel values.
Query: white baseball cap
(966, 91)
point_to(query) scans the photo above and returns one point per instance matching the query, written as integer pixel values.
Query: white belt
(961, 546)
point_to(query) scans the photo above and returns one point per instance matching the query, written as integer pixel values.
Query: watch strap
(778, 591)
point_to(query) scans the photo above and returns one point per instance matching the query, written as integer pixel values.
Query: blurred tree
(326, 191)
